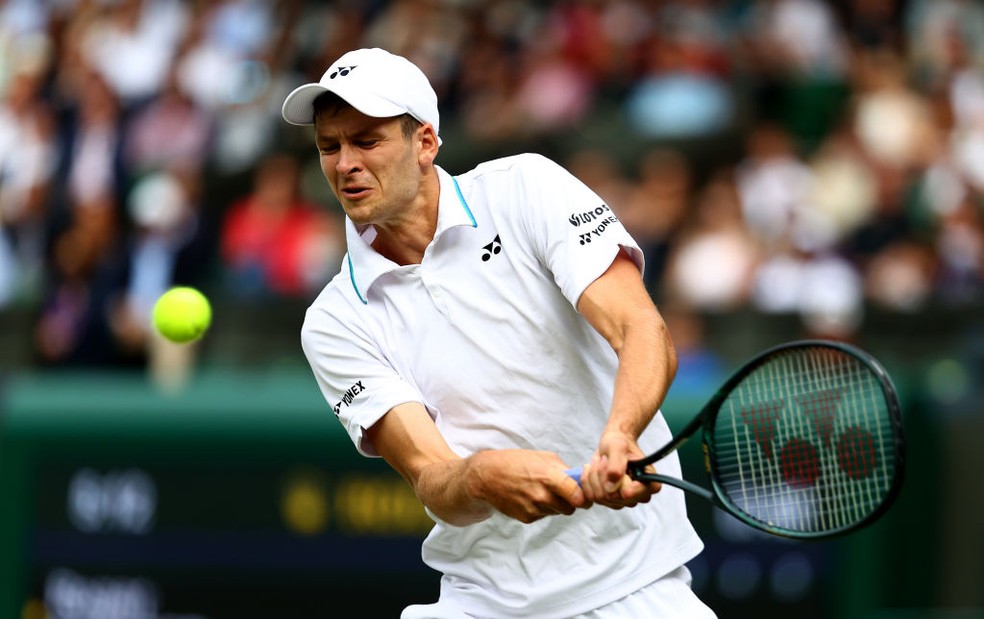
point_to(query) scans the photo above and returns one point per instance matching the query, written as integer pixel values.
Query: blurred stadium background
(792, 168)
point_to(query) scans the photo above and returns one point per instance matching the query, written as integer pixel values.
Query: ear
(429, 146)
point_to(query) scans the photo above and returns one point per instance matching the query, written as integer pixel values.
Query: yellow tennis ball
(182, 314)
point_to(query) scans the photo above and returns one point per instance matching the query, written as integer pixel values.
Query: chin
(359, 217)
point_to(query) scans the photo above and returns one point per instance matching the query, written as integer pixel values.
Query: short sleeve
(576, 234)
(356, 380)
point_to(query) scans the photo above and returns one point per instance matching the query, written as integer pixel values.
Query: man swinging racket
(486, 333)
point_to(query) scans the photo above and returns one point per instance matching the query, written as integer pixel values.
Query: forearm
(647, 364)
(442, 480)
(520, 483)
(618, 306)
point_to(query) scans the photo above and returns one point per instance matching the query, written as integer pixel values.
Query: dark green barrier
(242, 497)
(238, 497)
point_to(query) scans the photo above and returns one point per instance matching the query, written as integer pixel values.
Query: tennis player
(487, 332)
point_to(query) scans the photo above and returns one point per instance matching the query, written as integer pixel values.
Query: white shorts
(670, 597)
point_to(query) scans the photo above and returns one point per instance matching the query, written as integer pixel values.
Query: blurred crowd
(784, 156)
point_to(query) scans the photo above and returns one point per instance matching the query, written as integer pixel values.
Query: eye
(368, 142)
(328, 149)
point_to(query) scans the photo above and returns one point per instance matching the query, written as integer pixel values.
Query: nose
(348, 160)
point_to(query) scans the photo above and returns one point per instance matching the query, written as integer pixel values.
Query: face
(373, 169)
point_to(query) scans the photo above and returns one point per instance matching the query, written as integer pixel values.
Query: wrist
(624, 429)
(474, 475)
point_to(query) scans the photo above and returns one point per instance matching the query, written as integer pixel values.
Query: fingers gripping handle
(635, 473)
(576, 472)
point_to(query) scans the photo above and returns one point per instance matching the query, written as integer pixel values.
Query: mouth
(355, 192)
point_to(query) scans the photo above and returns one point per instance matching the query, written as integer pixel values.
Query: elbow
(450, 493)
(464, 520)
(459, 516)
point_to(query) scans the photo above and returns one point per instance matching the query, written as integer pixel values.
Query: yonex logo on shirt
(492, 249)
(348, 396)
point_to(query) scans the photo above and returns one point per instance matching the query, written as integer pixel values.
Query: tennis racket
(804, 441)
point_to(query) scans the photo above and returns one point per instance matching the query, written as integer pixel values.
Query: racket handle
(575, 474)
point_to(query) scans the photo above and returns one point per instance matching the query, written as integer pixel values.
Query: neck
(404, 241)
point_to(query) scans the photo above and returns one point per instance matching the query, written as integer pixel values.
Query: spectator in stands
(714, 257)
(171, 129)
(683, 94)
(656, 206)
(960, 246)
(276, 243)
(169, 244)
(773, 184)
(131, 44)
(92, 171)
(27, 165)
(73, 328)
(880, 103)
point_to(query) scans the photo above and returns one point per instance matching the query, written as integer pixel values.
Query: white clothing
(485, 334)
(669, 597)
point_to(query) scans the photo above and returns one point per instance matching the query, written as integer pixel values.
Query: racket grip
(575, 474)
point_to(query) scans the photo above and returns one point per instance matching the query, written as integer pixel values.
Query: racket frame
(707, 417)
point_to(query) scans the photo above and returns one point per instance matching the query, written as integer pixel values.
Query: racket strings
(806, 442)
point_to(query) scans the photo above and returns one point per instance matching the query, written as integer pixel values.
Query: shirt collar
(365, 264)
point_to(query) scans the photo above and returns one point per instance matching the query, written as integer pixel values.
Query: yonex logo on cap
(388, 85)
(342, 71)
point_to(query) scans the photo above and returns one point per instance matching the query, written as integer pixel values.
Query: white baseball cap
(373, 81)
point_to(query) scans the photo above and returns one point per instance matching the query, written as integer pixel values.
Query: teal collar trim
(461, 198)
(355, 287)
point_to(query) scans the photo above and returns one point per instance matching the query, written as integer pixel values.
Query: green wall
(240, 493)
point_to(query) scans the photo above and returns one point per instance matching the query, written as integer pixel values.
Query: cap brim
(298, 108)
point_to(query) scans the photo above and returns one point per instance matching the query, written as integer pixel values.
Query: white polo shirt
(485, 334)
